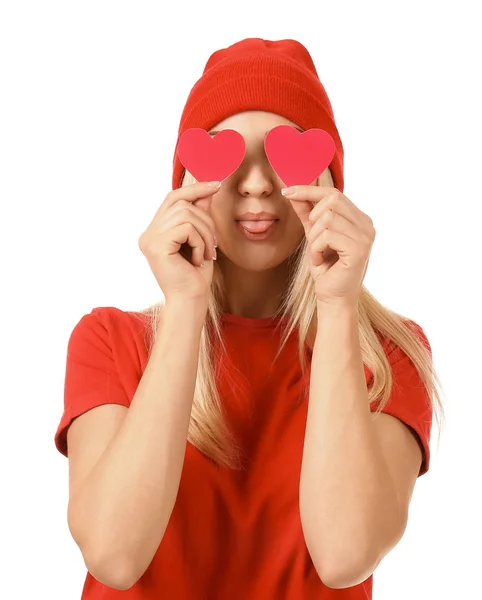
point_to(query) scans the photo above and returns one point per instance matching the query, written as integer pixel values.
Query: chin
(254, 263)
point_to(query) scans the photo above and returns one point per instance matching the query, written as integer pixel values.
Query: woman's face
(255, 187)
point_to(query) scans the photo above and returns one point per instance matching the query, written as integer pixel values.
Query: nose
(256, 181)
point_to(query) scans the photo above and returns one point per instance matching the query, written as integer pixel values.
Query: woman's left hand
(340, 238)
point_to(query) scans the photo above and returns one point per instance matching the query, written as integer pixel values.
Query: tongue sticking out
(256, 226)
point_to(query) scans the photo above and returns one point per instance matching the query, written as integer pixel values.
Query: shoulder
(109, 325)
(411, 330)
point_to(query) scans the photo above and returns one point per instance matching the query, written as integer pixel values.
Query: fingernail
(290, 191)
(214, 184)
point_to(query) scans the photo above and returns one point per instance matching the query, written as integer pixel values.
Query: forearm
(124, 506)
(347, 496)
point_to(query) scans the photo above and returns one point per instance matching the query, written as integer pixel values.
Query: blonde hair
(208, 431)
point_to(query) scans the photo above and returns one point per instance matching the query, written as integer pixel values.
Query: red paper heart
(299, 158)
(211, 158)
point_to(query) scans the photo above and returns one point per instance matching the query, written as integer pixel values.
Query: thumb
(303, 209)
(204, 203)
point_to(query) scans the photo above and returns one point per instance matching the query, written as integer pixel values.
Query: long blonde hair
(208, 431)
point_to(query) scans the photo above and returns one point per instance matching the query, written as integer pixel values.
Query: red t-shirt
(231, 534)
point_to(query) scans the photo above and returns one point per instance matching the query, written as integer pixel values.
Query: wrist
(335, 309)
(182, 309)
(330, 314)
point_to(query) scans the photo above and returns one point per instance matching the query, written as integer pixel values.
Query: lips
(257, 226)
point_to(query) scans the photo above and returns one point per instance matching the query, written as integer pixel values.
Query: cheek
(222, 218)
(216, 210)
(294, 232)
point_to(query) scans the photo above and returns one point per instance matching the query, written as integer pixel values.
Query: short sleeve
(409, 400)
(91, 377)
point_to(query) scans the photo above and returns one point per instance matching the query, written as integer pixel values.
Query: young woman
(257, 435)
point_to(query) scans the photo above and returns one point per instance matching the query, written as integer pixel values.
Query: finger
(200, 220)
(201, 212)
(191, 193)
(303, 211)
(332, 240)
(319, 194)
(312, 193)
(187, 233)
(209, 227)
(337, 206)
(334, 222)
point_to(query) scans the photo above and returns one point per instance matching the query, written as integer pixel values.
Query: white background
(91, 96)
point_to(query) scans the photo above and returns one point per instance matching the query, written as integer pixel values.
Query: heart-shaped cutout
(299, 158)
(211, 158)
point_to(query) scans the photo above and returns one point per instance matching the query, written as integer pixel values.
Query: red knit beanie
(256, 74)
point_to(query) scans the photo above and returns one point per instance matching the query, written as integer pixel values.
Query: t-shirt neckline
(249, 322)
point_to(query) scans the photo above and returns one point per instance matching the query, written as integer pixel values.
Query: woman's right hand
(180, 237)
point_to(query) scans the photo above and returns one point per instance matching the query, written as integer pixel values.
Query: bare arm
(119, 514)
(358, 471)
